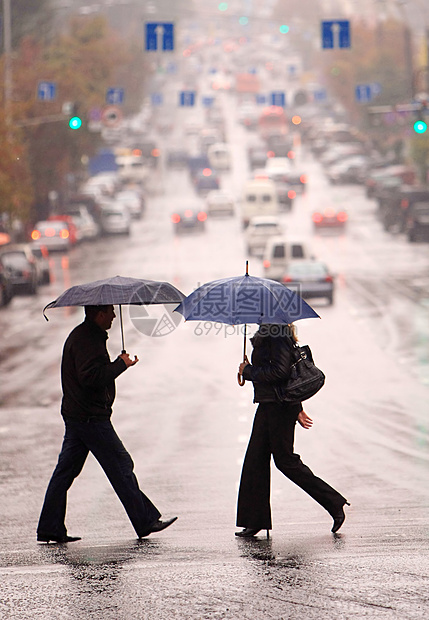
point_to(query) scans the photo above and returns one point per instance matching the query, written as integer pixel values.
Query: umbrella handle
(240, 379)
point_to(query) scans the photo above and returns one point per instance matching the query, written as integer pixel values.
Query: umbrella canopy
(118, 290)
(245, 299)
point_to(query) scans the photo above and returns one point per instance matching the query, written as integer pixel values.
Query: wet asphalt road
(186, 423)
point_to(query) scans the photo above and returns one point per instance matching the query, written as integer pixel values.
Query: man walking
(88, 383)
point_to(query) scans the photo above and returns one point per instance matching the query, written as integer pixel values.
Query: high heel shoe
(339, 518)
(247, 532)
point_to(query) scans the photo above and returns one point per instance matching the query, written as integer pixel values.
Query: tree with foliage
(29, 17)
(82, 63)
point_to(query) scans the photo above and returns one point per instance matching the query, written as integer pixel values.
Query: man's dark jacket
(87, 374)
(271, 362)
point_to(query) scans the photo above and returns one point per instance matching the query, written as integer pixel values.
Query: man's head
(101, 315)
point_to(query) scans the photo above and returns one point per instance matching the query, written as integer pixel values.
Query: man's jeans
(100, 438)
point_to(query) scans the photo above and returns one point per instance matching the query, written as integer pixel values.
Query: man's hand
(305, 420)
(128, 361)
(243, 365)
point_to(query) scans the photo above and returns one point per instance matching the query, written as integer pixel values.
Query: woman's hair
(275, 330)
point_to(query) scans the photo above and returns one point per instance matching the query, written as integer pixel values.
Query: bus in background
(272, 121)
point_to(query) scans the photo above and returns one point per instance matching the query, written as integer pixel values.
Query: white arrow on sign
(159, 37)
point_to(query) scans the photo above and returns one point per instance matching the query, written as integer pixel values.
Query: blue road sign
(261, 99)
(207, 101)
(157, 99)
(115, 96)
(159, 36)
(278, 98)
(363, 93)
(320, 95)
(187, 98)
(46, 91)
(335, 34)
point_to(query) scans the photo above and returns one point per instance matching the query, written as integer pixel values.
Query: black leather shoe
(158, 526)
(339, 518)
(58, 539)
(247, 532)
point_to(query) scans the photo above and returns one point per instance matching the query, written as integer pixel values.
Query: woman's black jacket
(271, 362)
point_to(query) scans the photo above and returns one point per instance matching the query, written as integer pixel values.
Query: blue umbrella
(117, 291)
(245, 299)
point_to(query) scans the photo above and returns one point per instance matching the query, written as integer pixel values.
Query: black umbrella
(118, 290)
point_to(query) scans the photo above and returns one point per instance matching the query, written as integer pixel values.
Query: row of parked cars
(402, 202)
(104, 206)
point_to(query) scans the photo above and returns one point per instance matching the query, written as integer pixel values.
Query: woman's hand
(243, 365)
(305, 420)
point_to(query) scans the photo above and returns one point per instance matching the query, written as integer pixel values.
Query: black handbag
(305, 378)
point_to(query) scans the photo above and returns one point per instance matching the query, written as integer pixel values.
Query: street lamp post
(7, 34)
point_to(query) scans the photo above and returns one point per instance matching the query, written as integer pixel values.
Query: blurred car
(189, 220)
(259, 230)
(257, 156)
(329, 219)
(83, 221)
(132, 200)
(21, 266)
(350, 170)
(219, 156)
(209, 136)
(6, 289)
(206, 180)
(309, 278)
(52, 235)
(285, 196)
(220, 202)
(177, 158)
(279, 146)
(115, 218)
(417, 225)
(75, 232)
(297, 181)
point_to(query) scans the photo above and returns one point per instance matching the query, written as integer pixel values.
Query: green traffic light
(284, 29)
(223, 6)
(420, 127)
(75, 122)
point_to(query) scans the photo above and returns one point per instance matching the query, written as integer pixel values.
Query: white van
(279, 251)
(259, 198)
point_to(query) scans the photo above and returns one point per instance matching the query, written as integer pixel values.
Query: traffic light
(420, 126)
(71, 109)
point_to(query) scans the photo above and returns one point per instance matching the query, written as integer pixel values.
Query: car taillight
(303, 178)
(317, 217)
(175, 218)
(155, 152)
(267, 264)
(291, 154)
(342, 216)
(291, 194)
(405, 203)
(329, 279)
(64, 233)
(202, 216)
(36, 234)
(271, 154)
(287, 279)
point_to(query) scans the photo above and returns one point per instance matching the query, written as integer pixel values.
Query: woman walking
(273, 434)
